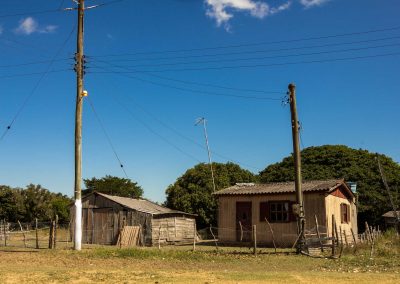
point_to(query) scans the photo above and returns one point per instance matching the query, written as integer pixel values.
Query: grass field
(180, 265)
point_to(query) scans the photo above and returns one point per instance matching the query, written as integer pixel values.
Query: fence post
(272, 233)
(318, 234)
(51, 235)
(55, 232)
(22, 230)
(215, 240)
(159, 237)
(194, 236)
(37, 233)
(255, 239)
(241, 231)
(333, 234)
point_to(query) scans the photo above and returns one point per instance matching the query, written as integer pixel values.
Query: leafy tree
(32, 202)
(338, 161)
(114, 186)
(192, 192)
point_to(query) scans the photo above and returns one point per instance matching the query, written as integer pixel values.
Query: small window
(279, 212)
(345, 213)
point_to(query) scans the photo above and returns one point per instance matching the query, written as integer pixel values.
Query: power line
(43, 75)
(196, 83)
(33, 73)
(183, 89)
(107, 136)
(257, 65)
(33, 63)
(180, 134)
(154, 132)
(264, 57)
(247, 52)
(48, 11)
(263, 43)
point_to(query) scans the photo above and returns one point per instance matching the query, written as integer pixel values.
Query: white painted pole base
(78, 225)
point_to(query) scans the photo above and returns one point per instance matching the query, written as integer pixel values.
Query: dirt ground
(111, 265)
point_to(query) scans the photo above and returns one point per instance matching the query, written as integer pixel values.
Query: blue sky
(352, 102)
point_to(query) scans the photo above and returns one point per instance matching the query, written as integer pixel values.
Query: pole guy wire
(107, 136)
(43, 75)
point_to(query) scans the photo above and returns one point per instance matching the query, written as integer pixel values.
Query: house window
(345, 213)
(279, 212)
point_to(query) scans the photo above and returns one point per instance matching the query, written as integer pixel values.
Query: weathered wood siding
(172, 229)
(333, 202)
(102, 220)
(285, 233)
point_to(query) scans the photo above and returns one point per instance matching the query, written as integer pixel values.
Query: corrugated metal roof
(390, 214)
(279, 187)
(142, 205)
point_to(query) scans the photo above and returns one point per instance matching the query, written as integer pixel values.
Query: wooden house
(103, 217)
(246, 204)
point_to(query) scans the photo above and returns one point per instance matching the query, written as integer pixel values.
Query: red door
(243, 221)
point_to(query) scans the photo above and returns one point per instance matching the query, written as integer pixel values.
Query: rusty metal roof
(390, 214)
(280, 187)
(142, 205)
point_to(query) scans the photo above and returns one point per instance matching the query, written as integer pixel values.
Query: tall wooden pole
(297, 167)
(78, 129)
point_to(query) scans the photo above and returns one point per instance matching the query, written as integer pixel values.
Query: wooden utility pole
(299, 206)
(79, 57)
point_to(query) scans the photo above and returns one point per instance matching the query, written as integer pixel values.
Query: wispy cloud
(29, 26)
(222, 10)
(312, 3)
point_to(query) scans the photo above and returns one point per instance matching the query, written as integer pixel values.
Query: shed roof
(282, 187)
(142, 205)
(390, 214)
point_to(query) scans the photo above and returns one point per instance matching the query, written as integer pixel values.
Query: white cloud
(222, 10)
(29, 26)
(312, 3)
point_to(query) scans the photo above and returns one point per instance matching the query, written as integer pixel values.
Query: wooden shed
(246, 204)
(104, 215)
(390, 219)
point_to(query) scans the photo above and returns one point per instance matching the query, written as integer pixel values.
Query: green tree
(192, 192)
(114, 186)
(338, 161)
(11, 204)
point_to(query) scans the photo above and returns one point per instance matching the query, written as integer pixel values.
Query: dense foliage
(337, 161)
(192, 192)
(26, 204)
(113, 186)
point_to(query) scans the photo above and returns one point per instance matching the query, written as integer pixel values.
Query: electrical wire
(180, 134)
(263, 57)
(33, 73)
(33, 63)
(258, 65)
(107, 136)
(247, 52)
(43, 75)
(183, 89)
(153, 131)
(261, 43)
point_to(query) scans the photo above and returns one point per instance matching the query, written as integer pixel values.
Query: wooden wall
(285, 233)
(173, 229)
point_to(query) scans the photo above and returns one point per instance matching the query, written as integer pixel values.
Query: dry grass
(180, 265)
